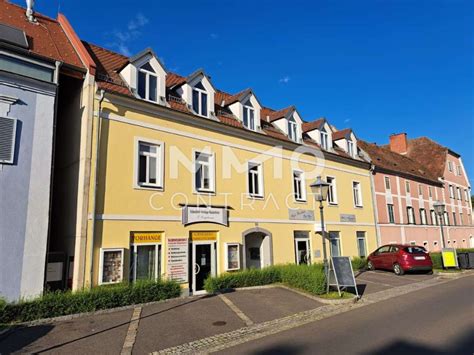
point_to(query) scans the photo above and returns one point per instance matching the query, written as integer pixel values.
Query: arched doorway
(257, 244)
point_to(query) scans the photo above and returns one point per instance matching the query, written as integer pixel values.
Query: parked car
(400, 258)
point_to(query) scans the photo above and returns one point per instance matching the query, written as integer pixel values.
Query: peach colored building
(409, 176)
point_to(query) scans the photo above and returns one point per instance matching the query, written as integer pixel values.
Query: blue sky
(380, 67)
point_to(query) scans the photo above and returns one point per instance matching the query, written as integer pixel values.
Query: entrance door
(302, 251)
(204, 260)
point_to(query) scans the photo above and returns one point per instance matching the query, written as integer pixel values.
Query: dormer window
(324, 140)
(200, 100)
(292, 129)
(147, 83)
(350, 148)
(249, 116)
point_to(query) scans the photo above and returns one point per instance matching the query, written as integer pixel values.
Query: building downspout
(374, 204)
(94, 187)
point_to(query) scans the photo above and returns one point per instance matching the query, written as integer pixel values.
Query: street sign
(341, 274)
(449, 257)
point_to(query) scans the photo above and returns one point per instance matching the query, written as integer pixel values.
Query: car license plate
(419, 258)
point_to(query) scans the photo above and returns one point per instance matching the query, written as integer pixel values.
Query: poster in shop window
(177, 259)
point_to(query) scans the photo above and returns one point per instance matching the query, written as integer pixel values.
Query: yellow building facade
(176, 195)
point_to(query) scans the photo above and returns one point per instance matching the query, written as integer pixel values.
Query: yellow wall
(126, 208)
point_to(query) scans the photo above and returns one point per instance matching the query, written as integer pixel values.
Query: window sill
(359, 207)
(255, 197)
(148, 187)
(333, 204)
(205, 193)
(301, 202)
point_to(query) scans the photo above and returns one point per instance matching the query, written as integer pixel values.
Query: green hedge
(55, 304)
(309, 278)
(438, 260)
(359, 263)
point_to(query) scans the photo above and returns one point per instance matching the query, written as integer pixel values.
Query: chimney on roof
(30, 4)
(399, 143)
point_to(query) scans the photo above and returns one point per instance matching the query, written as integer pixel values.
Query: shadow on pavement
(29, 335)
(20, 337)
(281, 349)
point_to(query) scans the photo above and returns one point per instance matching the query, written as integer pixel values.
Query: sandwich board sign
(449, 257)
(341, 274)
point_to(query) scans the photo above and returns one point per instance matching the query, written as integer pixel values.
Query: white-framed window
(430, 191)
(332, 190)
(411, 215)
(450, 166)
(455, 222)
(387, 183)
(232, 256)
(451, 191)
(324, 140)
(420, 190)
(204, 172)
(147, 87)
(145, 263)
(361, 244)
(200, 100)
(459, 193)
(446, 218)
(149, 166)
(7, 140)
(335, 242)
(292, 129)
(459, 170)
(255, 179)
(407, 186)
(423, 216)
(249, 117)
(434, 217)
(466, 193)
(350, 148)
(111, 265)
(299, 186)
(391, 215)
(357, 193)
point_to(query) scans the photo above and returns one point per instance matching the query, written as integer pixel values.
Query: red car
(400, 258)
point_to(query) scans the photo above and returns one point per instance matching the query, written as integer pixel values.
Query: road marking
(374, 282)
(132, 332)
(236, 310)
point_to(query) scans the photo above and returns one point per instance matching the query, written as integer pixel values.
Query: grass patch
(309, 278)
(54, 304)
(334, 295)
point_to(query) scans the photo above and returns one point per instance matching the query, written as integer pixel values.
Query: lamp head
(320, 189)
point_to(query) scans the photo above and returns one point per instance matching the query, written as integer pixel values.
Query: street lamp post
(320, 190)
(439, 208)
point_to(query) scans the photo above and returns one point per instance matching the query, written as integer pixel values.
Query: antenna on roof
(29, 10)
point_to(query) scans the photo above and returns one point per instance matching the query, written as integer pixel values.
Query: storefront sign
(348, 218)
(300, 215)
(177, 259)
(205, 215)
(301, 234)
(145, 237)
(54, 272)
(203, 236)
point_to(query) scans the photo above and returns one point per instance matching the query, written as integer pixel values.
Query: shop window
(232, 253)
(111, 266)
(145, 262)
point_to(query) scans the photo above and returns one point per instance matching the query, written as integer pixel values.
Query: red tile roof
(173, 79)
(46, 38)
(275, 115)
(341, 134)
(383, 158)
(428, 153)
(310, 126)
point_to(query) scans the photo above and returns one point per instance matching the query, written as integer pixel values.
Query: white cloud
(137, 22)
(347, 120)
(123, 38)
(284, 80)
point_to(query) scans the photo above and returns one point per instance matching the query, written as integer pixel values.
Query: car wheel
(397, 269)
(430, 272)
(370, 266)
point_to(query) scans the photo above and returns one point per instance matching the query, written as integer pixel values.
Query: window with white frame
(299, 187)
(147, 83)
(430, 191)
(292, 129)
(111, 266)
(391, 215)
(232, 256)
(324, 139)
(361, 244)
(434, 217)
(420, 190)
(145, 261)
(407, 186)
(255, 179)
(335, 243)
(357, 193)
(459, 170)
(249, 116)
(150, 164)
(422, 216)
(455, 222)
(466, 193)
(200, 100)
(451, 191)
(387, 183)
(446, 218)
(350, 148)
(332, 190)
(450, 166)
(411, 215)
(459, 193)
(204, 172)
(7, 141)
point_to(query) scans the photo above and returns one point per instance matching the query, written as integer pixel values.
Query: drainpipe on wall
(374, 204)
(94, 187)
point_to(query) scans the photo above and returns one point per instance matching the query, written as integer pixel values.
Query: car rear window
(415, 250)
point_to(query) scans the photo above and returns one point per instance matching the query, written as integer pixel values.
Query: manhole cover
(219, 323)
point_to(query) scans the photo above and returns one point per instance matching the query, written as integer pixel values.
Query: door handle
(197, 269)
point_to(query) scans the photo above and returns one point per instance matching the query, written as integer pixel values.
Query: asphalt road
(435, 320)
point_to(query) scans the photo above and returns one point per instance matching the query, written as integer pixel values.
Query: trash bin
(471, 260)
(463, 260)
